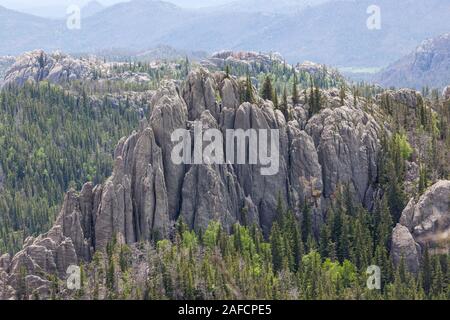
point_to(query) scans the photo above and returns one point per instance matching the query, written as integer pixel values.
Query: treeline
(51, 140)
(283, 76)
(177, 69)
(291, 264)
(311, 96)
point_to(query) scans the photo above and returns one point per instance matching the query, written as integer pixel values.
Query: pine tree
(317, 100)
(306, 223)
(314, 100)
(21, 292)
(438, 283)
(325, 239)
(392, 165)
(423, 181)
(383, 223)
(249, 90)
(295, 95)
(267, 89)
(246, 92)
(382, 260)
(311, 100)
(426, 271)
(342, 95)
(298, 247)
(275, 98)
(284, 105)
(227, 71)
(276, 242)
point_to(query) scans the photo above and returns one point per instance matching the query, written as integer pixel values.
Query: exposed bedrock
(147, 192)
(425, 223)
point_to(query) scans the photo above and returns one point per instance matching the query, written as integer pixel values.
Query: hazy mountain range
(333, 32)
(427, 65)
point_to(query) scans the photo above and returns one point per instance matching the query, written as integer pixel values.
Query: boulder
(428, 219)
(424, 223)
(404, 247)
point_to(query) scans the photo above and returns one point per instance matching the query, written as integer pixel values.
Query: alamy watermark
(74, 277)
(374, 279)
(374, 20)
(73, 21)
(237, 147)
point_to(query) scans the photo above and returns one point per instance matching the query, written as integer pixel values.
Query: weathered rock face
(244, 59)
(404, 247)
(59, 68)
(428, 219)
(406, 97)
(51, 253)
(347, 144)
(147, 191)
(169, 114)
(6, 291)
(56, 68)
(425, 222)
(5, 63)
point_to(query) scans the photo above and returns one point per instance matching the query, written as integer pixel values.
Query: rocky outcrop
(426, 223)
(48, 254)
(347, 145)
(406, 97)
(69, 242)
(37, 65)
(59, 68)
(5, 63)
(147, 192)
(404, 247)
(446, 93)
(254, 61)
(319, 70)
(428, 219)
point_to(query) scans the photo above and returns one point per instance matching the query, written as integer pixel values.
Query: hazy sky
(26, 4)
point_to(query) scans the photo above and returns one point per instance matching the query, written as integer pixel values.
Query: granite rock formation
(147, 192)
(425, 223)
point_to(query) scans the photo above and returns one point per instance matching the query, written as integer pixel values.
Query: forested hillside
(290, 265)
(363, 180)
(51, 140)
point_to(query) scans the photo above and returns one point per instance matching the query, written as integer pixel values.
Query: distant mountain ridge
(428, 65)
(333, 32)
(270, 6)
(92, 8)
